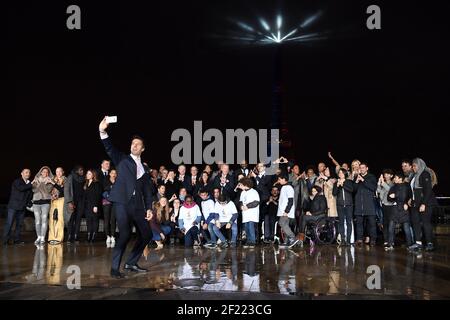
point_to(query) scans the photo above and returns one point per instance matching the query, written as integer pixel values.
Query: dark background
(378, 96)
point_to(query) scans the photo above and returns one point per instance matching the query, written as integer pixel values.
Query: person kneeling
(190, 217)
(160, 222)
(226, 216)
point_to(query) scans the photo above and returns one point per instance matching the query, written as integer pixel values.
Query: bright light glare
(265, 35)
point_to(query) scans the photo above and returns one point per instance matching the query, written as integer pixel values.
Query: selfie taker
(132, 198)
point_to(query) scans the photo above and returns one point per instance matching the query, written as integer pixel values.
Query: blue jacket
(126, 182)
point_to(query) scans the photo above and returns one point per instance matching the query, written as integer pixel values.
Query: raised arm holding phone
(132, 199)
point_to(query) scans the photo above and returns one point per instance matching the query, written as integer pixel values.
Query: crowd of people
(224, 208)
(221, 208)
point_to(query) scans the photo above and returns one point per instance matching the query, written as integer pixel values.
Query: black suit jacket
(20, 194)
(101, 178)
(263, 185)
(228, 189)
(92, 196)
(127, 182)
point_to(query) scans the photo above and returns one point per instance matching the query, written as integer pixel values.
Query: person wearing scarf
(422, 203)
(42, 186)
(188, 221)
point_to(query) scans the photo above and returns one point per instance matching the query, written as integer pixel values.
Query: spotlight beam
(265, 34)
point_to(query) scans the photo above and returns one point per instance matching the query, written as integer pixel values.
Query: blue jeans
(219, 234)
(212, 233)
(406, 229)
(165, 230)
(191, 236)
(18, 215)
(250, 232)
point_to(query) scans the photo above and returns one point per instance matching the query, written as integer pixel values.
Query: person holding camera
(132, 198)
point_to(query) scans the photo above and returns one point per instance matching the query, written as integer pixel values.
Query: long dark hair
(94, 178)
(201, 177)
(345, 172)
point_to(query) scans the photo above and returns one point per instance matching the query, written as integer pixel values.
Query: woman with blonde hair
(56, 221)
(354, 171)
(42, 187)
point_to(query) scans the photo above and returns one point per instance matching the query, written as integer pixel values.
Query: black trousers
(388, 212)
(109, 219)
(269, 226)
(422, 220)
(371, 227)
(91, 220)
(128, 215)
(73, 227)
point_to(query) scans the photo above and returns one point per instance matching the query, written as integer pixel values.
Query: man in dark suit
(132, 199)
(225, 182)
(18, 200)
(243, 169)
(263, 184)
(103, 172)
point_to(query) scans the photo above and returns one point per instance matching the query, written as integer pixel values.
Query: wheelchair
(322, 231)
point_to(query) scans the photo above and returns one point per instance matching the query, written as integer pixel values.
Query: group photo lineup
(226, 158)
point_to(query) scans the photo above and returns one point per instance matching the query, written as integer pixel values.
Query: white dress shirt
(140, 168)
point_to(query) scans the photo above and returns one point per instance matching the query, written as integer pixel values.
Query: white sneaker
(108, 240)
(37, 240)
(113, 240)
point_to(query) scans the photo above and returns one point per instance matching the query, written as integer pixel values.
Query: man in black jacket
(263, 184)
(365, 187)
(18, 200)
(103, 172)
(225, 182)
(132, 199)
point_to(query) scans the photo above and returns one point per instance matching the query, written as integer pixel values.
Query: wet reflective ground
(320, 272)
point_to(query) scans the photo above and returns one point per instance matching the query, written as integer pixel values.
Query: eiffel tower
(279, 115)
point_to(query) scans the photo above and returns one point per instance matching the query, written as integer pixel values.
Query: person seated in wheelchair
(315, 210)
(226, 215)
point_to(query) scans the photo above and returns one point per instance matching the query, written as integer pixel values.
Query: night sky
(379, 96)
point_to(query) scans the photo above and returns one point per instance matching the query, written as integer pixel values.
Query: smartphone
(111, 119)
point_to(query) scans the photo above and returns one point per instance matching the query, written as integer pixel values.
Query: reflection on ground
(319, 271)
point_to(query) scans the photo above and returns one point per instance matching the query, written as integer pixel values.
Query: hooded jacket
(42, 187)
(421, 185)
